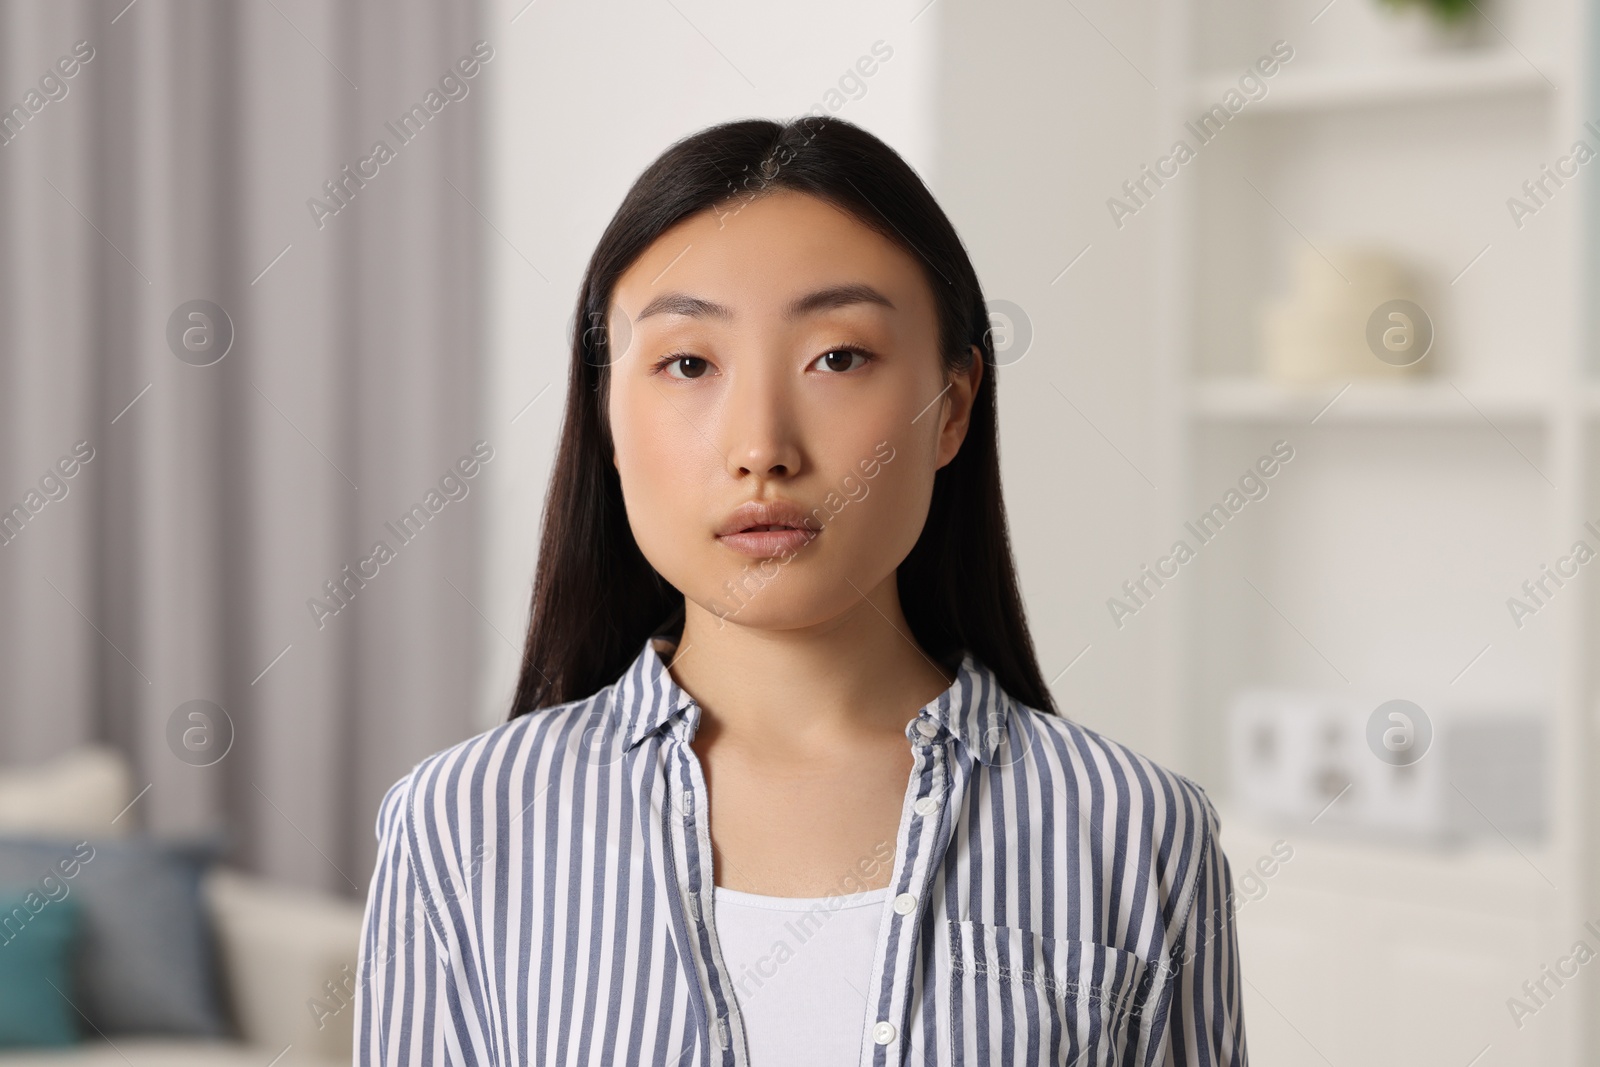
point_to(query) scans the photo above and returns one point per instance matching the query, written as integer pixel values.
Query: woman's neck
(813, 689)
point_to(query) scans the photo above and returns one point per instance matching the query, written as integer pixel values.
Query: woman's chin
(779, 604)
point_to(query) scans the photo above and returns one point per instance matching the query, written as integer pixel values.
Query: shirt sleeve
(1206, 1020)
(407, 1006)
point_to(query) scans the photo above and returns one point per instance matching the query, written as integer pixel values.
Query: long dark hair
(596, 599)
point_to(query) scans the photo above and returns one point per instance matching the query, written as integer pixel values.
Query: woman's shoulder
(449, 787)
(1095, 752)
(1166, 814)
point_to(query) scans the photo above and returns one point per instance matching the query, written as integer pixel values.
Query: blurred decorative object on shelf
(1428, 25)
(1352, 311)
(1447, 773)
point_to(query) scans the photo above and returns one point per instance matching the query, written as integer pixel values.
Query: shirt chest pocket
(1021, 997)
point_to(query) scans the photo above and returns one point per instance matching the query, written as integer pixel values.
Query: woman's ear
(957, 407)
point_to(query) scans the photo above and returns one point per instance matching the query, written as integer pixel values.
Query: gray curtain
(176, 556)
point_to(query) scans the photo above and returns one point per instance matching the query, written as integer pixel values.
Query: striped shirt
(543, 895)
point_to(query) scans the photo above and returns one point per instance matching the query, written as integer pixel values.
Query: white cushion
(77, 794)
(282, 946)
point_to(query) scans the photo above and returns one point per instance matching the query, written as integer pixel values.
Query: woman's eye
(690, 366)
(840, 359)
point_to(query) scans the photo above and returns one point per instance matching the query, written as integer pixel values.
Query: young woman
(782, 783)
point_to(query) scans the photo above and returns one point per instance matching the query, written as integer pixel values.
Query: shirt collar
(974, 709)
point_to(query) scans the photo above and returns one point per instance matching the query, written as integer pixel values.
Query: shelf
(1489, 72)
(1484, 875)
(1429, 402)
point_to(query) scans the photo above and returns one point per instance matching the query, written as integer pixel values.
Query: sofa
(281, 954)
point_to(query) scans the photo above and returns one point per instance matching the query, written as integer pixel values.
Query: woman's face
(779, 351)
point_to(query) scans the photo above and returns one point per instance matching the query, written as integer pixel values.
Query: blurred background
(1301, 441)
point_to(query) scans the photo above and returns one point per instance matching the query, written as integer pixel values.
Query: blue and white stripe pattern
(543, 896)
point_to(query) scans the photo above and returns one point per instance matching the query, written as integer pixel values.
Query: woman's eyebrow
(833, 296)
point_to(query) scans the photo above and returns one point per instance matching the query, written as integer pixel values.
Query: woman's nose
(761, 428)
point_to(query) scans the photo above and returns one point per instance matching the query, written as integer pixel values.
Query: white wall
(1044, 110)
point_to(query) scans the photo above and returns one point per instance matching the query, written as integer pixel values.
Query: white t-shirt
(800, 969)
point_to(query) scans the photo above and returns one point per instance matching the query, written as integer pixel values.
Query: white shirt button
(925, 806)
(883, 1033)
(927, 727)
(905, 903)
(688, 800)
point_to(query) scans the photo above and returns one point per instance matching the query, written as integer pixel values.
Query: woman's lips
(764, 544)
(762, 529)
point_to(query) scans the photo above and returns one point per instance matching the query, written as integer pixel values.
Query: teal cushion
(38, 938)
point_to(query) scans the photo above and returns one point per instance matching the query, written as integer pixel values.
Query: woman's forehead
(784, 255)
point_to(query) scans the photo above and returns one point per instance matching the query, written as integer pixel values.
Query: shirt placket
(919, 849)
(724, 1023)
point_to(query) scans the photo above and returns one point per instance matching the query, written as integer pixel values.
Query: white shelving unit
(1245, 399)
(1445, 78)
(1382, 558)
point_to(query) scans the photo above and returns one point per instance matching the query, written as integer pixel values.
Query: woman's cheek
(885, 518)
(674, 520)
